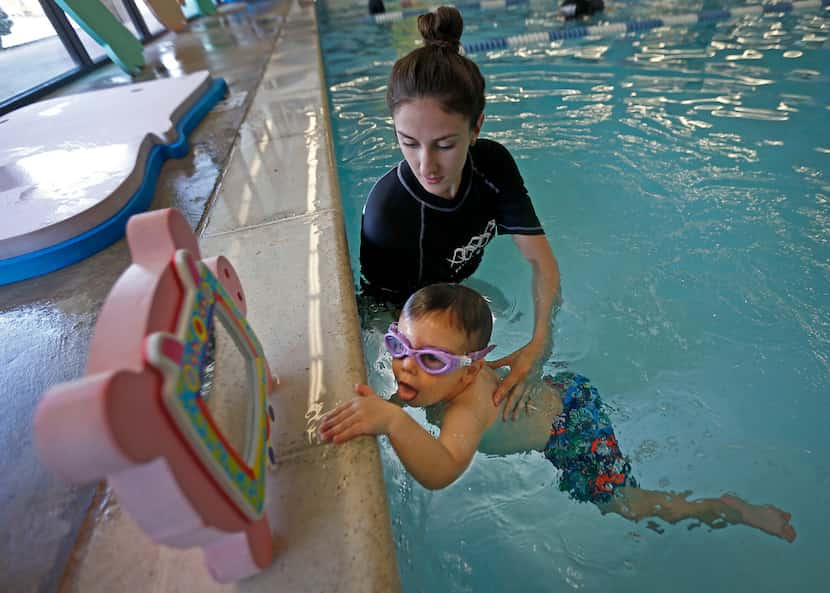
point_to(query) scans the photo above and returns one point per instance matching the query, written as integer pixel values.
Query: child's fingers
(342, 408)
(332, 418)
(355, 430)
(337, 415)
(330, 431)
(364, 390)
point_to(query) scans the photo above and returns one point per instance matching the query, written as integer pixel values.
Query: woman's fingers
(505, 390)
(513, 389)
(522, 397)
(517, 375)
(501, 362)
(511, 401)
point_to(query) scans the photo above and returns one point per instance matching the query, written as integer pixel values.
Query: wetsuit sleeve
(515, 214)
(386, 250)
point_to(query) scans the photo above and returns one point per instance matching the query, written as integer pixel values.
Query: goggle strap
(481, 353)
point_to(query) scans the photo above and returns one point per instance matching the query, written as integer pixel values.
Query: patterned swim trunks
(582, 443)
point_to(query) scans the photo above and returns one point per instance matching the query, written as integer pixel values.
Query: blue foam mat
(60, 255)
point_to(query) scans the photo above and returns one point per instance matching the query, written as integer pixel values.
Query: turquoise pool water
(682, 177)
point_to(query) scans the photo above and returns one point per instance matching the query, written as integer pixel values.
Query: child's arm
(435, 463)
(396, 399)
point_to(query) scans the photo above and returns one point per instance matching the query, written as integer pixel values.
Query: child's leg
(583, 446)
(635, 504)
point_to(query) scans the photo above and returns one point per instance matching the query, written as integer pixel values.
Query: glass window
(150, 19)
(31, 53)
(190, 9)
(91, 46)
(116, 7)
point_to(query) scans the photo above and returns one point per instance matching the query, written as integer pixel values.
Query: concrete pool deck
(259, 186)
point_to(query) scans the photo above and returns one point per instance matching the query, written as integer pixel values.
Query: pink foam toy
(140, 419)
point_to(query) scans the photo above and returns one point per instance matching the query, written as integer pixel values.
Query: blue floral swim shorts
(582, 443)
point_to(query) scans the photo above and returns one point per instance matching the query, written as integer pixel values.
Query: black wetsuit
(411, 238)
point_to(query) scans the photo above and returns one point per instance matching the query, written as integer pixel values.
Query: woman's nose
(427, 164)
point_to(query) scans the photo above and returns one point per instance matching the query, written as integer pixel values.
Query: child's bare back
(528, 432)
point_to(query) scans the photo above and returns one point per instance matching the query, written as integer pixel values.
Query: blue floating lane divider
(60, 255)
(606, 30)
(397, 15)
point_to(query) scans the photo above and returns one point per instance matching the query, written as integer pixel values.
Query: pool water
(682, 177)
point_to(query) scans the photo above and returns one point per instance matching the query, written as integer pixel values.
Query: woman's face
(434, 143)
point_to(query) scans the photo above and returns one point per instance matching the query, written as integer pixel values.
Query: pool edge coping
(369, 560)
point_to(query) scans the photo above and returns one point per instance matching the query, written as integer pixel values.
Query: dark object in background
(5, 26)
(572, 9)
(376, 7)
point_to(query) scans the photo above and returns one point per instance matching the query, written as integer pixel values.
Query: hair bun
(442, 28)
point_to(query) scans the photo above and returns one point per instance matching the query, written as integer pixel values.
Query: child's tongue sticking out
(406, 392)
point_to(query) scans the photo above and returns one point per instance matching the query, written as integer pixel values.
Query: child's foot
(765, 517)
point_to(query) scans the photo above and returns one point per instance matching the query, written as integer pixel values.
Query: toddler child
(438, 348)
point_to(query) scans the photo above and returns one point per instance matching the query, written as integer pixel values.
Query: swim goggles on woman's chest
(433, 360)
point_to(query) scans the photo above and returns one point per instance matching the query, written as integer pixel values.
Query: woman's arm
(537, 251)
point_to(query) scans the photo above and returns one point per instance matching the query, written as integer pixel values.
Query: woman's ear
(477, 128)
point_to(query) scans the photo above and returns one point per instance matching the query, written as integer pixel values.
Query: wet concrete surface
(46, 322)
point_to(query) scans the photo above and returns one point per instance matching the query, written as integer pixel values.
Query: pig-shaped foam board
(147, 414)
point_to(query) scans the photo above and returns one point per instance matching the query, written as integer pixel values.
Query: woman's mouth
(406, 392)
(433, 180)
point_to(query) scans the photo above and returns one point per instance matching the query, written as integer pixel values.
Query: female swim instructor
(429, 218)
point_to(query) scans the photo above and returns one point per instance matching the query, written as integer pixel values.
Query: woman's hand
(536, 250)
(364, 415)
(513, 386)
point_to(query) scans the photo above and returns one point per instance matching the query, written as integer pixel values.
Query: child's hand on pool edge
(367, 414)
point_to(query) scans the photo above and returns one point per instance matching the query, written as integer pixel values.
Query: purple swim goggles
(433, 360)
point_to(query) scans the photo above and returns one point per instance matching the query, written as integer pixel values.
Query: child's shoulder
(476, 400)
(478, 397)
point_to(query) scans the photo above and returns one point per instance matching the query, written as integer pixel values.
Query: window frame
(77, 52)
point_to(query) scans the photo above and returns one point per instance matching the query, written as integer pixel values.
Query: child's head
(465, 309)
(450, 325)
(437, 70)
